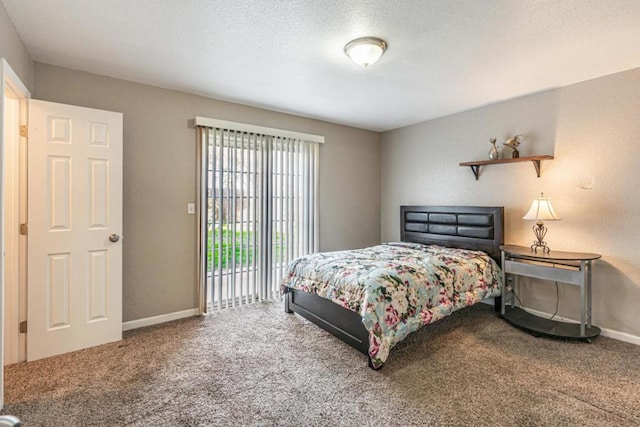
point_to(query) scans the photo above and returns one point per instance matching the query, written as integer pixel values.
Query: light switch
(191, 208)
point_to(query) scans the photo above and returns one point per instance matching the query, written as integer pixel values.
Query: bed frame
(467, 227)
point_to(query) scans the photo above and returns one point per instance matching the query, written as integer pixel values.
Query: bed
(372, 298)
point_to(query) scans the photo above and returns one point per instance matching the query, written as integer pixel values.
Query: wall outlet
(191, 208)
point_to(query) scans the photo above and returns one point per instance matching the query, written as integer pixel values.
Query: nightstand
(572, 268)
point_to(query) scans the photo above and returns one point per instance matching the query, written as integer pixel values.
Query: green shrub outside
(244, 252)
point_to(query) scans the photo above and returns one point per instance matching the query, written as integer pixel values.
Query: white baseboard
(621, 336)
(139, 323)
(616, 335)
(148, 321)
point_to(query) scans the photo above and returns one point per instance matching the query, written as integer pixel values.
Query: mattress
(396, 288)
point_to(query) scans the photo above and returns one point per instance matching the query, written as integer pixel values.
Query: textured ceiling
(444, 56)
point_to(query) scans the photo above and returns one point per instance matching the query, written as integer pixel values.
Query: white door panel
(75, 204)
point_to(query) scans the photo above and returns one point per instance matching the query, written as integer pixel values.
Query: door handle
(114, 238)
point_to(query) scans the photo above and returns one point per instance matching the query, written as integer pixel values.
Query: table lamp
(541, 210)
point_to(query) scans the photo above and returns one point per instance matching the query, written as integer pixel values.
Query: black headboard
(469, 227)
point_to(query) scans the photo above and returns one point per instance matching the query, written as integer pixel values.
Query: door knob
(114, 238)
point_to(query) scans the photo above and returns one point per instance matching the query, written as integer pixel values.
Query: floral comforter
(397, 288)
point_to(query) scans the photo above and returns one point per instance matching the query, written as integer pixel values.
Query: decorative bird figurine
(513, 143)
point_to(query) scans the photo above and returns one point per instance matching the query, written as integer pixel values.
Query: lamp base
(540, 231)
(540, 245)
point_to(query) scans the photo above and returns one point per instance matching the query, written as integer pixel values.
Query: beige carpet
(259, 366)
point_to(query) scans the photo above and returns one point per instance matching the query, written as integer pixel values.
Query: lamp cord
(513, 291)
(557, 298)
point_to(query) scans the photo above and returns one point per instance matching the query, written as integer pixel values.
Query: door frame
(9, 78)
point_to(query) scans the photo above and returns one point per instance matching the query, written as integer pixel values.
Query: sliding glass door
(259, 211)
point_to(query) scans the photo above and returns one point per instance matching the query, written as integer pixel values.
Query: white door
(74, 293)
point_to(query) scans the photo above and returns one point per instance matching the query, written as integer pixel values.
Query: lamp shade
(366, 50)
(541, 210)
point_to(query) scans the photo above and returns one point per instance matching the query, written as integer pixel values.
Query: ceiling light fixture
(366, 50)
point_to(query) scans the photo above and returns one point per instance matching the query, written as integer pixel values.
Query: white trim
(10, 78)
(162, 318)
(12, 198)
(621, 336)
(616, 335)
(488, 301)
(262, 130)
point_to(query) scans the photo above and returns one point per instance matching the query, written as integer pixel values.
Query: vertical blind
(258, 211)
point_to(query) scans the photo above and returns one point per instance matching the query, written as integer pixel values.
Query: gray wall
(13, 50)
(159, 180)
(593, 130)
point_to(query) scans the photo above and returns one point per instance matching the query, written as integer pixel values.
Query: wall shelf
(475, 166)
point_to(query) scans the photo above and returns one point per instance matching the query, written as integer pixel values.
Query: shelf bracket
(476, 170)
(536, 164)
